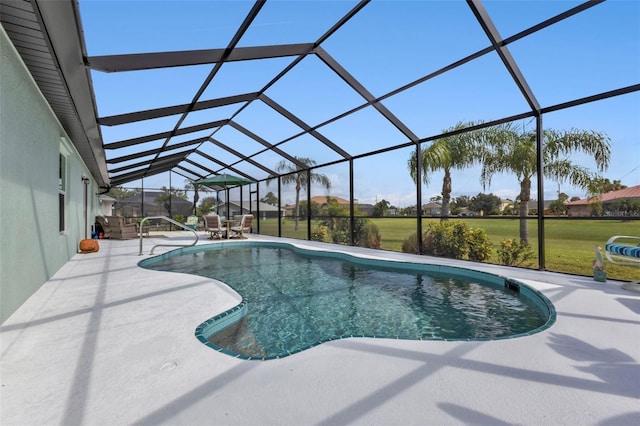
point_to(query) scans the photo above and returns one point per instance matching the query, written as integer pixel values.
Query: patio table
(228, 223)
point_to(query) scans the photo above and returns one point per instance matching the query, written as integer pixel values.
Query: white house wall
(31, 138)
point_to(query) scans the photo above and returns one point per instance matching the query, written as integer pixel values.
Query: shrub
(479, 245)
(513, 252)
(320, 233)
(178, 218)
(447, 239)
(410, 245)
(368, 235)
(365, 233)
(340, 237)
(451, 239)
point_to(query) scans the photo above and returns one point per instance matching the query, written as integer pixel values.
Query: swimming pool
(294, 299)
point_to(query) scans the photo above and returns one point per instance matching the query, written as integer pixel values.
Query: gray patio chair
(213, 225)
(242, 227)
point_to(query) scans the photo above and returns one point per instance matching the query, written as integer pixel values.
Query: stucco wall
(31, 247)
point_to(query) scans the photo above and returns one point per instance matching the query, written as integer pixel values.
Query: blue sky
(385, 46)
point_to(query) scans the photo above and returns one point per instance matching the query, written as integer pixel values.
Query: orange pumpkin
(89, 246)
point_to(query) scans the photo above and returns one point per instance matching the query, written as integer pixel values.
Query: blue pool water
(294, 299)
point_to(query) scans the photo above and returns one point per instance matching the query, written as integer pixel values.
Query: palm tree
(299, 176)
(450, 152)
(190, 185)
(510, 149)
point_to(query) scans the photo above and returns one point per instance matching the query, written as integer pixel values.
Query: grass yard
(569, 243)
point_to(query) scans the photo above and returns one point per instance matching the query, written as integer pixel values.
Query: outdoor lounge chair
(624, 250)
(114, 227)
(213, 225)
(242, 227)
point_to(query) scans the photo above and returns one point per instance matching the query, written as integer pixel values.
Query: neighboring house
(533, 206)
(290, 210)
(505, 203)
(366, 209)
(318, 199)
(263, 210)
(584, 207)
(431, 209)
(321, 200)
(231, 209)
(146, 204)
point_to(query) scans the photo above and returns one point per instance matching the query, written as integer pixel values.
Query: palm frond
(590, 142)
(412, 164)
(565, 170)
(294, 174)
(321, 179)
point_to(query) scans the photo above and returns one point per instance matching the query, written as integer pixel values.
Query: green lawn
(569, 243)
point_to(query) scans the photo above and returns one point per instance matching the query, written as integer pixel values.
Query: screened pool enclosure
(326, 106)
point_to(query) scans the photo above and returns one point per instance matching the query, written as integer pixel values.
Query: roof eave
(68, 52)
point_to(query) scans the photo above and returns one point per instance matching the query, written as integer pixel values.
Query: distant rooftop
(631, 192)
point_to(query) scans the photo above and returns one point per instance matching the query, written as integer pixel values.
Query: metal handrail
(166, 245)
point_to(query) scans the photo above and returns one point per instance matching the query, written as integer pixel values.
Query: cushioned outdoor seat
(624, 250)
(242, 227)
(623, 253)
(213, 225)
(115, 228)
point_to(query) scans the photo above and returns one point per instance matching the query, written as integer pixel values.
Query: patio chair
(242, 227)
(114, 227)
(192, 222)
(213, 225)
(624, 250)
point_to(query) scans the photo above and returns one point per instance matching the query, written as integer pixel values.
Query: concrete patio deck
(106, 342)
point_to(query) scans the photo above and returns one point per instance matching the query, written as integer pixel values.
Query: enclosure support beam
(539, 170)
(279, 206)
(257, 192)
(351, 203)
(308, 204)
(419, 196)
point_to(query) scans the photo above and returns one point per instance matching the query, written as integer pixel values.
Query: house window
(62, 189)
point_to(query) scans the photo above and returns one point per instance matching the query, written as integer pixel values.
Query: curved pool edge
(230, 316)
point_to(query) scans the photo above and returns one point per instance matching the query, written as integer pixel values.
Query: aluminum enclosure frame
(49, 36)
